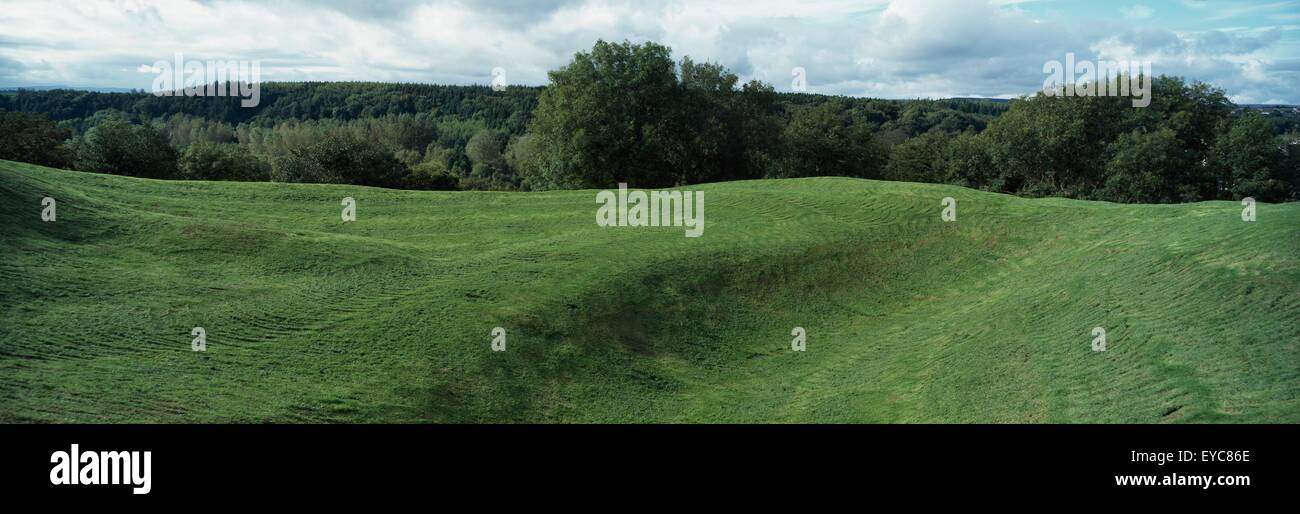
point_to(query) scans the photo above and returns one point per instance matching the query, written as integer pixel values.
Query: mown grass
(909, 319)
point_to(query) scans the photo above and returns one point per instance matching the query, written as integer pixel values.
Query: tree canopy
(627, 112)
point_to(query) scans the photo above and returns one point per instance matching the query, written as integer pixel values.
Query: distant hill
(977, 99)
(95, 89)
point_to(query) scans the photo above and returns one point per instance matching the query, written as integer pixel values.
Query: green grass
(909, 319)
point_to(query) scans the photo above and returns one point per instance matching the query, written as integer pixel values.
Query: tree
(341, 159)
(487, 148)
(1290, 145)
(1150, 167)
(1194, 112)
(523, 156)
(1054, 145)
(920, 159)
(830, 140)
(606, 118)
(969, 163)
(221, 161)
(1248, 160)
(119, 147)
(430, 175)
(33, 138)
(721, 132)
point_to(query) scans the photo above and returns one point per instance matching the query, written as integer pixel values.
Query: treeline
(1190, 144)
(626, 112)
(442, 137)
(429, 131)
(621, 114)
(507, 110)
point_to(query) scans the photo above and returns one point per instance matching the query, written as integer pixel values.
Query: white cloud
(1138, 12)
(899, 49)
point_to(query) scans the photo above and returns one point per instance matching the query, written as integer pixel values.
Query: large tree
(721, 131)
(117, 146)
(625, 113)
(1150, 167)
(830, 139)
(1101, 147)
(606, 118)
(920, 159)
(31, 137)
(1249, 160)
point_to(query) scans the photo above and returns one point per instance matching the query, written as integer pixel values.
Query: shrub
(31, 137)
(216, 161)
(341, 159)
(119, 147)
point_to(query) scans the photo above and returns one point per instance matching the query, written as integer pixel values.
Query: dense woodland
(626, 112)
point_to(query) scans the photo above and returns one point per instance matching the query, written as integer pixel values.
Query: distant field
(388, 319)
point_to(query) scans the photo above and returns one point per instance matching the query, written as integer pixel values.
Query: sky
(873, 48)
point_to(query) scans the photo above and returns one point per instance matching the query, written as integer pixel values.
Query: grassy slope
(909, 319)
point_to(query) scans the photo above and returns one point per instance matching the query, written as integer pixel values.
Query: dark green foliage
(1188, 145)
(949, 116)
(722, 132)
(1290, 166)
(936, 157)
(708, 127)
(487, 148)
(829, 140)
(524, 154)
(1150, 167)
(920, 159)
(31, 137)
(968, 162)
(408, 119)
(622, 114)
(432, 176)
(221, 161)
(608, 117)
(626, 112)
(341, 159)
(119, 147)
(1250, 161)
(507, 109)
(1054, 145)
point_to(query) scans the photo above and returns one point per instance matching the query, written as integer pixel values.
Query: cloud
(896, 49)
(9, 68)
(1138, 12)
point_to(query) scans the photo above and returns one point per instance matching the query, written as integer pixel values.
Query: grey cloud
(1219, 42)
(957, 48)
(9, 67)
(1286, 65)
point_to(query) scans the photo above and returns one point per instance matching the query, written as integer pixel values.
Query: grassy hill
(908, 318)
